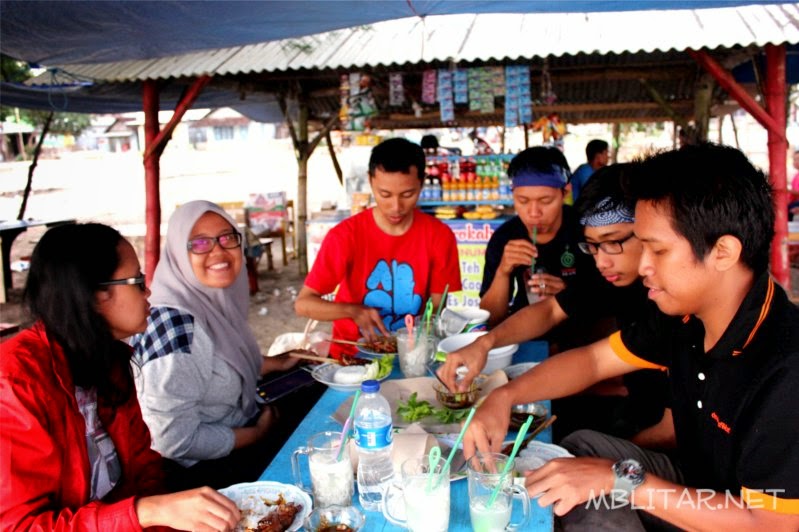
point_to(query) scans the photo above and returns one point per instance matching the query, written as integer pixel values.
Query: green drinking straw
(535, 242)
(457, 443)
(442, 303)
(433, 458)
(345, 432)
(516, 445)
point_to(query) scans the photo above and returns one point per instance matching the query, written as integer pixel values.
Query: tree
(45, 121)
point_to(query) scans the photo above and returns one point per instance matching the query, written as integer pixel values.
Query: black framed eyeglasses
(139, 281)
(204, 244)
(611, 247)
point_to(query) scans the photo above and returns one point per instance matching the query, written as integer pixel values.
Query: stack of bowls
(498, 358)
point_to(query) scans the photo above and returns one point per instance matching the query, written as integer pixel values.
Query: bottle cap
(370, 386)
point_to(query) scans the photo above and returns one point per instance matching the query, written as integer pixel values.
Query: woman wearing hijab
(198, 359)
(74, 451)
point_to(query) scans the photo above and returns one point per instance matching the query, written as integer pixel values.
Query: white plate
(459, 341)
(249, 497)
(516, 370)
(369, 352)
(538, 453)
(324, 373)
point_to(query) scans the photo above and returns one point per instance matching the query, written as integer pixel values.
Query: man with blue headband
(623, 408)
(534, 255)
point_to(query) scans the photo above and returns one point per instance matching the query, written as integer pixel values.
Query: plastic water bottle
(373, 438)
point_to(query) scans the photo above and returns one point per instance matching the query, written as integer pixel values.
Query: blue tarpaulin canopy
(59, 32)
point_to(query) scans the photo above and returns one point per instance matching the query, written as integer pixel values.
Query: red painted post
(775, 94)
(152, 174)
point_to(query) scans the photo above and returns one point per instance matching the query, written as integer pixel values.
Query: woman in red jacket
(74, 451)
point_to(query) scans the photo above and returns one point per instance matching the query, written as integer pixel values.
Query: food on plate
(446, 213)
(354, 374)
(382, 344)
(375, 369)
(335, 528)
(280, 516)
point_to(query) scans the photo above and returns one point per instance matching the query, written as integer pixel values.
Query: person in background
(430, 146)
(74, 451)
(623, 408)
(597, 155)
(538, 176)
(793, 202)
(705, 217)
(385, 261)
(197, 363)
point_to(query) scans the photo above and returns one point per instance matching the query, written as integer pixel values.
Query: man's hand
(473, 357)
(489, 425)
(368, 319)
(201, 509)
(567, 482)
(517, 253)
(545, 284)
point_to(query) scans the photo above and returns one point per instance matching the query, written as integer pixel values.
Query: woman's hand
(201, 509)
(283, 363)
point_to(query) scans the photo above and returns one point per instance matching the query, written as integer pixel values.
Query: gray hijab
(221, 311)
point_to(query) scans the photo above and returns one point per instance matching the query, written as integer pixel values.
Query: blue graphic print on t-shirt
(391, 292)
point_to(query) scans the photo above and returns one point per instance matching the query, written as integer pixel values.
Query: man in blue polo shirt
(705, 217)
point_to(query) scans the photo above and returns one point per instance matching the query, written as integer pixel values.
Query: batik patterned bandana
(607, 213)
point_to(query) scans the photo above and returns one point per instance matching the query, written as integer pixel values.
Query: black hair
(593, 148)
(429, 142)
(539, 159)
(712, 190)
(607, 182)
(397, 155)
(67, 265)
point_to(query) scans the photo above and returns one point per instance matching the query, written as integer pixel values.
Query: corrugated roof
(474, 38)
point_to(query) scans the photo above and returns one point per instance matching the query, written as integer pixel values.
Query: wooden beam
(188, 98)
(332, 151)
(666, 106)
(727, 82)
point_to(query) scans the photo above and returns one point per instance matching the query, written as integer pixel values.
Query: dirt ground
(271, 308)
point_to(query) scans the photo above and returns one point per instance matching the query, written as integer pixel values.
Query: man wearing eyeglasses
(623, 408)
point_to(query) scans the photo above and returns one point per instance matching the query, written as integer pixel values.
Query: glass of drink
(485, 474)
(332, 479)
(532, 295)
(425, 498)
(414, 352)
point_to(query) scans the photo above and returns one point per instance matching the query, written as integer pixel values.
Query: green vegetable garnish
(384, 365)
(414, 410)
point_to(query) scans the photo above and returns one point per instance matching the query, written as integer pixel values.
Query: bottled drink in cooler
(373, 438)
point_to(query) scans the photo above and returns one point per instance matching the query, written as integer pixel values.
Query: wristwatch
(629, 475)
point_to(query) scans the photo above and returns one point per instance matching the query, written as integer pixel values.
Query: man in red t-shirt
(386, 261)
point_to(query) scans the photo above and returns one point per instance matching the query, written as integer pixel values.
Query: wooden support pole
(155, 141)
(152, 175)
(775, 95)
(332, 151)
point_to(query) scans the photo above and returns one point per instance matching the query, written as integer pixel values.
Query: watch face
(631, 470)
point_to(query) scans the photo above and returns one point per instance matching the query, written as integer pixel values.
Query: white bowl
(498, 358)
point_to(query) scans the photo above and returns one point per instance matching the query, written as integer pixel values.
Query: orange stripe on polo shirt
(623, 353)
(763, 313)
(759, 500)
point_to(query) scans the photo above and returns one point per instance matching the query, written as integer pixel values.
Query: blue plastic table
(320, 419)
